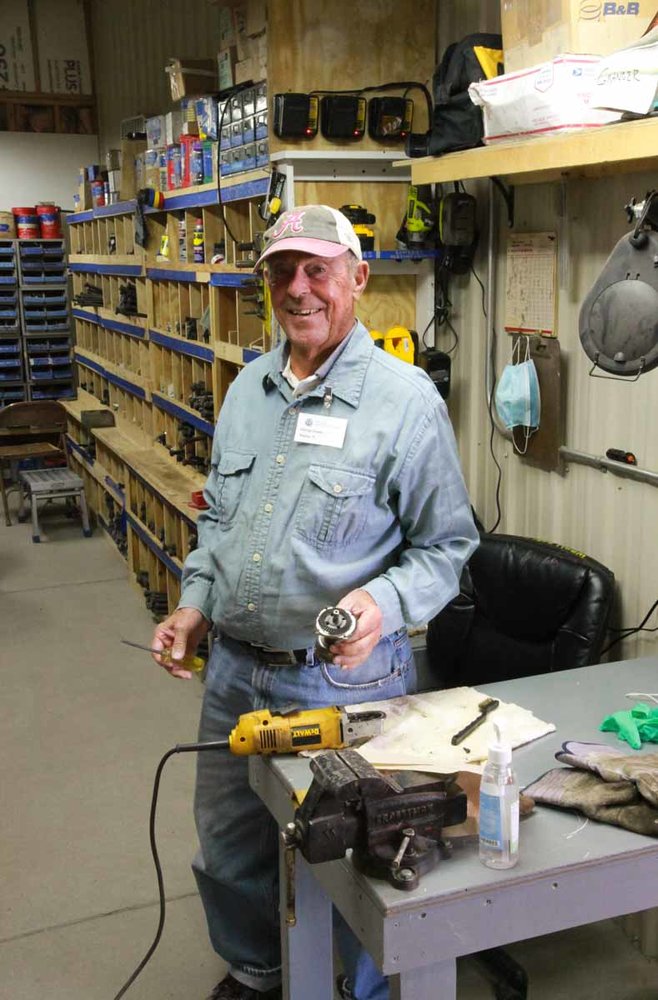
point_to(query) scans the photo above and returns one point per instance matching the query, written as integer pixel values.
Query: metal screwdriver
(195, 663)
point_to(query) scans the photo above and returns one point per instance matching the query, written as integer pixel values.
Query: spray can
(198, 243)
(182, 240)
(499, 808)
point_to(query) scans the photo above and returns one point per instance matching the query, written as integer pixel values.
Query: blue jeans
(236, 867)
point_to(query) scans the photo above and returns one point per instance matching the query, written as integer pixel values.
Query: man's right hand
(181, 632)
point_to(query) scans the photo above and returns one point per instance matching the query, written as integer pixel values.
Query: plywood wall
(344, 45)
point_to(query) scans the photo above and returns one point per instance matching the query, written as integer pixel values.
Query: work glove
(638, 724)
(617, 803)
(641, 769)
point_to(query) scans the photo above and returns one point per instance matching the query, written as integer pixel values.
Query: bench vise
(391, 821)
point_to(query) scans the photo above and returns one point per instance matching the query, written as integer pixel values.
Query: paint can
(49, 221)
(27, 223)
(7, 226)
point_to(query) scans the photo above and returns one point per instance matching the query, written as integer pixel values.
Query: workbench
(570, 872)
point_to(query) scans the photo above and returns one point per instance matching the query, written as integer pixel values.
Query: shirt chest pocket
(334, 506)
(232, 476)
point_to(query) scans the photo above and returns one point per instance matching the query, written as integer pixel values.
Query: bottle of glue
(499, 807)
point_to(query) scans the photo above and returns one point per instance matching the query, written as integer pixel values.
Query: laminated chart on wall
(530, 285)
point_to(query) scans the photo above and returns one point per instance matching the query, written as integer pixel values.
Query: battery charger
(295, 116)
(343, 116)
(390, 118)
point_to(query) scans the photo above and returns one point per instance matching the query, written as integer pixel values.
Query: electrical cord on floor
(179, 748)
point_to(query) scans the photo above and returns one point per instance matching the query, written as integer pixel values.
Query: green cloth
(637, 726)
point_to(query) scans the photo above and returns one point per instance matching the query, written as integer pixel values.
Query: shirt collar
(343, 371)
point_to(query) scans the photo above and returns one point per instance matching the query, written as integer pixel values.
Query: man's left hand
(354, 651)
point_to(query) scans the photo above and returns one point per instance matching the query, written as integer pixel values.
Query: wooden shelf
(626, 147)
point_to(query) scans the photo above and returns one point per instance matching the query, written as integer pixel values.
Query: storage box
(256, 20)
(626, 79)
(173, 126)
(61, 40)
(132, 171)
(206, 114)
(191, 77)
(155, 131)
(535, 31)
(84, 191)
(556, 96)
(16, 46)
(226, 60)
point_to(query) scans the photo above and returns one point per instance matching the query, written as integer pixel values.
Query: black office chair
(526, 607)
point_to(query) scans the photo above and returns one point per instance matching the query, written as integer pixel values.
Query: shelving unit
(626, 147)
(163, 365)
(171, 335)
(35, 334)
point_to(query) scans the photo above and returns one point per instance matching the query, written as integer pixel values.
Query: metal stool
(51, 484)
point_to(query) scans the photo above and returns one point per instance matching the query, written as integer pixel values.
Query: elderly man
(334, 481)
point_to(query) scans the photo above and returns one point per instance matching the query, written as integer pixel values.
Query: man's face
(313, 298)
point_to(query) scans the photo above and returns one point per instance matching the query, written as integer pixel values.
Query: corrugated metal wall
(132, 41)
(612, 519)
(609, 518)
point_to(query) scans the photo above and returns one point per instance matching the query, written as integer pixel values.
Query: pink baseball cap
(315, 229)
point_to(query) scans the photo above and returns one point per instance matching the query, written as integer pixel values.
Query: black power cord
(624, 633)
(490, 400)
(179, 748)
(406, 84)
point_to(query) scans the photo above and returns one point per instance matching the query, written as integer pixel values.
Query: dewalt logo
(305, 735)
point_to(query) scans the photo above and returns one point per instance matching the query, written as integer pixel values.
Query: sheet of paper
(530, 283)
(418, 728)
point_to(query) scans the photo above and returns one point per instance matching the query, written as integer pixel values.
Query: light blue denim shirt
(293, 527)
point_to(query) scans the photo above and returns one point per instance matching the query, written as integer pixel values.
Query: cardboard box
(535, 31)
(173, 126)
(206, 116)
(16, 46)
(226, 27)
(132, 167)
(226, 60)
(556, 96)
(84, 191)
(626, 79)
(191, 77)
(155, 131)
(61, 39)
(256, 20)
(250, 71)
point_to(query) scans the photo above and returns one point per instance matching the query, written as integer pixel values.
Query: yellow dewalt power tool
(266, 732)
(397, 341)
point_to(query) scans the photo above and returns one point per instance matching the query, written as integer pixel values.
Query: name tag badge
(328, 431)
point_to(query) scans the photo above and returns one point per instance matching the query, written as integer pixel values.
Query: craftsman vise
(392, 822)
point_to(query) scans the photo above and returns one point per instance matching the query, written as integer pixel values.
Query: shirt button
(256, 557)
(338, 488)
(280, 459)
(268, 508)
(251, 606)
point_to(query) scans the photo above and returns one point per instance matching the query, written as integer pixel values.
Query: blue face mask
(517, 396)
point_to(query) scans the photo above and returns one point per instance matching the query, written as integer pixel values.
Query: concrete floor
(83, 724)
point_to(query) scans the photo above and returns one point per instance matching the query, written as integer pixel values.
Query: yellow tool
(397, 341)
(195, 663)
(330, 728)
